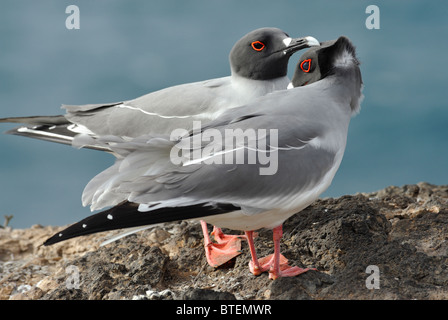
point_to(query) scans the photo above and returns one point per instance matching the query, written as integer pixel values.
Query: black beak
(299, 44)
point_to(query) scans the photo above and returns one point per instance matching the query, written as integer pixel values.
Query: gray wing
(158, 112)
(147, 175)
(256, 175)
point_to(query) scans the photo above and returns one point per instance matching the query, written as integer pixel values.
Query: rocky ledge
(390, 244)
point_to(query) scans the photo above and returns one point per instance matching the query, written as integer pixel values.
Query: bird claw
(288, 271)
(219, 253)
(264, 264)
(267, 264)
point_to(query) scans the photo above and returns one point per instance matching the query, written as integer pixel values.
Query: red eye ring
(257, 45)
(306, 68)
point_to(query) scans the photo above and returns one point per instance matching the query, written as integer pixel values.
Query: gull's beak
(293, 45)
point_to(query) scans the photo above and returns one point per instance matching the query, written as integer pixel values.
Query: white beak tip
(312, 42)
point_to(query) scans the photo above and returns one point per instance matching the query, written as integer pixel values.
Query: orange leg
(276, 264)
(226, 248)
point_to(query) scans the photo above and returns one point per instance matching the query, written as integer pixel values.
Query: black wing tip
(126, 215)
(70, 232)
(58, 237)
(52, 240)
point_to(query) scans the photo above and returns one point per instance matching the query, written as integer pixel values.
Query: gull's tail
(49, 128)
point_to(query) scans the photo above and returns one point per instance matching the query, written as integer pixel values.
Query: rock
(389, 244)
(299, 288)
(47, 284)
(150, 268)
(206, 294)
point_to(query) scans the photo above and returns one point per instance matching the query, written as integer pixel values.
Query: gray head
(338, 58)
(264, 53)
(321, 61)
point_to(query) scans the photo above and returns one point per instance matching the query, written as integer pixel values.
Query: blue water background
(125, 49)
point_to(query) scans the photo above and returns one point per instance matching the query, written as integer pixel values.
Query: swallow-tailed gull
(258, 64)
(302, 132)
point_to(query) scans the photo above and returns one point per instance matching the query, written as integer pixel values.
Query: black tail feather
(126, 215)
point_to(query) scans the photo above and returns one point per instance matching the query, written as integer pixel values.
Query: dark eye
(257, 45)
(306, 65)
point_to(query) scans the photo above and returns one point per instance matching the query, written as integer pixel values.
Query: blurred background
(125, 49)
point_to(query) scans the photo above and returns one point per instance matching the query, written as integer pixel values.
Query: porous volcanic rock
(390, 244)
